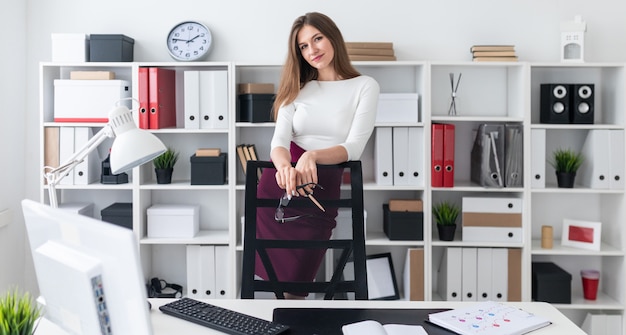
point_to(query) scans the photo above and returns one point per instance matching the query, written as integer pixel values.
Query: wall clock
(189, 41)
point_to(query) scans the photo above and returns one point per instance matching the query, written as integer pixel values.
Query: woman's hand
(306, 168)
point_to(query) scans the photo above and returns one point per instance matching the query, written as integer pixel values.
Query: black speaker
(581, 107)
(555, 103)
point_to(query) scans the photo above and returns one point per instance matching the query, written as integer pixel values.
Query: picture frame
(381, 278)
(581, 234)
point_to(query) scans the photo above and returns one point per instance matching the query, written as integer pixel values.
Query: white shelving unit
(488, 92)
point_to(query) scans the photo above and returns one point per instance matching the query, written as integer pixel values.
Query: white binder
(214, 99)
(483, 274)
(222, 272)
(192, 99)
(66, 150)
(400, 156)
(201, 271)
(469, 272)
(383, 156)
(499, 274)
(616, 159)
(87, 171)
(415, 155)
(450, 271)
(538, 158)
(594, 172)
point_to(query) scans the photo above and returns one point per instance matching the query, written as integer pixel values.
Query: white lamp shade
(132, 146)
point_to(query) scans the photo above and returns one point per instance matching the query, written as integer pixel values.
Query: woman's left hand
(307, 172)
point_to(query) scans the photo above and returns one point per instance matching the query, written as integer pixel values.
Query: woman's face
(315, 48)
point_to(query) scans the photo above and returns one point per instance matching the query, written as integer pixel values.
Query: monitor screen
(88, 271)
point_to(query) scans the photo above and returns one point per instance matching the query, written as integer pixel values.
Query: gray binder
(514, 155)
(487, 164)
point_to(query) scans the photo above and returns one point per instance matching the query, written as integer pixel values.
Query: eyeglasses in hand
(279, 216)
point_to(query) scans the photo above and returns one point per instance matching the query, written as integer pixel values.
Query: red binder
(436, 155)
(448, 155)
(162, 103)
(144, 121)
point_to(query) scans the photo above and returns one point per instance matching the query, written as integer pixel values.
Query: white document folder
(87, 171)
(214, 99)
(201, 271)
(222, 271)
(66, 150)
(538, 158)
(383, 156)
(491, 205)
(594, 172)
(468, 277)
(483, 274)
(492, 234)
(499, 274)
(616, 159)
(415, 156)
(400, 156)
(449, 277)
(192, 99)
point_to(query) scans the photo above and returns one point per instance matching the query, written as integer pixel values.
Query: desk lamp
(131, 147)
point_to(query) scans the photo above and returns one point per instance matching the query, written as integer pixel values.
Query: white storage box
(181, 221)
(70, 47)
(88, 100)
(397, 107)
(492, 219)
(82, 208)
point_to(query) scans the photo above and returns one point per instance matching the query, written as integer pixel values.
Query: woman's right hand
(286, 178)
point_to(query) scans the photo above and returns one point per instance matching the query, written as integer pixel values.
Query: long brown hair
(297, 72)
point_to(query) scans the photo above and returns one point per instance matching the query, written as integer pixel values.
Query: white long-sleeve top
(329, 113)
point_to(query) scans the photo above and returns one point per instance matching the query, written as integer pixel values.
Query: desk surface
(166, 325)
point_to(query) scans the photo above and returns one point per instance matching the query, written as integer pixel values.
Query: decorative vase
(446, 232)
(164, 176)
(565, 179)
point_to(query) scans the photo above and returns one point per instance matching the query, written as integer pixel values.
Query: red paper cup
(591, 279)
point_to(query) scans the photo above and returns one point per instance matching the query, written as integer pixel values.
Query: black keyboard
(222, 319)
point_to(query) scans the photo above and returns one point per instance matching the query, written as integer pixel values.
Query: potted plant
(445, 214)
(18, 314)
(164, 166)
(566, 162)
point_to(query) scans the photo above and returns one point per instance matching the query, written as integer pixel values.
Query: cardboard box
(255, 88)
(88, 100)
(173, 221)
(398, 107)
(551, 284)
(208, 170)
(70, 47)
(404, 225)
(111, 48)
(255, 107)
(119, 213)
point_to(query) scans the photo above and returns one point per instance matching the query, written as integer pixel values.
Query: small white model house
(573, 40)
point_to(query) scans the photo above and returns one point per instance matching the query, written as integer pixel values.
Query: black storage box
(208, 170)
(551, 283)
(403, 226)
(119, 213)
(255, 107)
(110, 48)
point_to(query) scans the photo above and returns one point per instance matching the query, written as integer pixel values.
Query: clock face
(189, 41)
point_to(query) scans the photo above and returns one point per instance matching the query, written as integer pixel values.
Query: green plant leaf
(166, 160)
(566, 160)
(446, 213)
(18, 313)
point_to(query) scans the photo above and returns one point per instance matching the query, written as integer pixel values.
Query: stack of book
(372, 51)
(493, 53)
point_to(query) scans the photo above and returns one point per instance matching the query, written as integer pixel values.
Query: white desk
(167, 325)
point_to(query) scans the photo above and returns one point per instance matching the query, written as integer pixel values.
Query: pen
(310, 196)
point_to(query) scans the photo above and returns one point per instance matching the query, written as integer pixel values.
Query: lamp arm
(55, 175)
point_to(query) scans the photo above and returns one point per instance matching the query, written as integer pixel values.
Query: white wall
(12, 112)
(253, 30)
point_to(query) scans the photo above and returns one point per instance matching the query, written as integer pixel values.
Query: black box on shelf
(255, 107)
(119, 213)
(111, 48)
(403, 225)
(551, 283)
(208, 170)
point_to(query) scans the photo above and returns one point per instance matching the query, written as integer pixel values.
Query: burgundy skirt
(299, 265)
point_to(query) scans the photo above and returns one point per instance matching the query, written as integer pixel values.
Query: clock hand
(179, 39)
(191, 40)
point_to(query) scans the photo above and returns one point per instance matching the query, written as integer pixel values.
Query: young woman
(325, 112)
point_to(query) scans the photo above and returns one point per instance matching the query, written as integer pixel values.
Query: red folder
(448, 155)
(144, 120)
(162, 103)
(436, 155)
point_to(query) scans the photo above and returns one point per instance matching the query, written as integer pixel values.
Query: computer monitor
(88, 271)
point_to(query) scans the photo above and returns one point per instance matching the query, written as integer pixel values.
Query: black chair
(351, 249)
